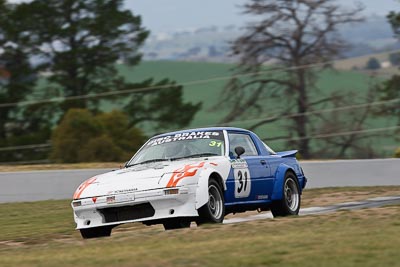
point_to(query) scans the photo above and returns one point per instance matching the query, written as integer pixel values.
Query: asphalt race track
(369, 172)
(42, 185)
(61, 184)
(369, 203)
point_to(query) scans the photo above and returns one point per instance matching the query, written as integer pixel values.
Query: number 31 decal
(242, 182)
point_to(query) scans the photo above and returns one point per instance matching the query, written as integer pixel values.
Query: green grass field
(329, 81)
(209, 94)
(42, 234)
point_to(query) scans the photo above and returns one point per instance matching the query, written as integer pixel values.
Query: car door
(250, 174)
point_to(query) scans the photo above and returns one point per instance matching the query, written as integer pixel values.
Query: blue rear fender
(280, 173)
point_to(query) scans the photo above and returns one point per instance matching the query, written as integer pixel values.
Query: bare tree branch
(292, 33)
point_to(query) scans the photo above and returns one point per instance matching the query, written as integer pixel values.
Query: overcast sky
(170, 15)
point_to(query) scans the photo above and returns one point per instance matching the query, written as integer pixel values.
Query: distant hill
(359, 63)
(212, 43)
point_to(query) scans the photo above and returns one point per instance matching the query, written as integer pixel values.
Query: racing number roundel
(242, 182)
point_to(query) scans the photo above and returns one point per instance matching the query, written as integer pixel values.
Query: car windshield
(181, 145)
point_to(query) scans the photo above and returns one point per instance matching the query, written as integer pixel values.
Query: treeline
(302, 37)
(58, 70)
(58, 66)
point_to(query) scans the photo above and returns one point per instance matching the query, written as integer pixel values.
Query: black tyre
(96, 232)
(176, 224)
(214, 210)
(290, 202)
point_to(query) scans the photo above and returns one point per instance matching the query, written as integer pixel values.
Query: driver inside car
(175, 151)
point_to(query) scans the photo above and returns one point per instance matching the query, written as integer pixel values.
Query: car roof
(209, 129)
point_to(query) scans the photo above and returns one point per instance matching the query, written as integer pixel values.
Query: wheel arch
(280, 174)
(218, 178)
(202, 189)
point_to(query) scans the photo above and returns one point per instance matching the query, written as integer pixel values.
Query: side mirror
(239, 150)
(123, 165)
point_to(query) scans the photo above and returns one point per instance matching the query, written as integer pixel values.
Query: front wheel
(96, 232)
(214, 210)
(290, 202)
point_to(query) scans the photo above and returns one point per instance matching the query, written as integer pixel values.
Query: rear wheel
(214, 210)
(290, 202)
(96, 232)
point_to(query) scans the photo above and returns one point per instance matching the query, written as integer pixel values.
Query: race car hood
(144, 177)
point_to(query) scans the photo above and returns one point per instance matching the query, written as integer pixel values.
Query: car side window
(244, 141)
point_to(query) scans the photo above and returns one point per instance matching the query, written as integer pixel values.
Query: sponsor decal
(188, 136)
(181, 173)
(189, 170)
(215, 143)
(83, 186)
(123, 191)
(262, 197)
(238, 163)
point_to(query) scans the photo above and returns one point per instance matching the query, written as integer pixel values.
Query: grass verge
(41, 234)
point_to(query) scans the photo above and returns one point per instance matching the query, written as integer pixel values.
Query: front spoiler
(88, 215)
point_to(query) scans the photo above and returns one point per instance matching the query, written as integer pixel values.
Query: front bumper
(135, 207)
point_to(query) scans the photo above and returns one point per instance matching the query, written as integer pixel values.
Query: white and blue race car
(192, 175)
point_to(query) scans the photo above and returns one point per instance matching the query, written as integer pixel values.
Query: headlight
(76, 203)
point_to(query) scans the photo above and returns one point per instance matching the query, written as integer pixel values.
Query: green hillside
(183, 72)
(208, 93)
(208, 89)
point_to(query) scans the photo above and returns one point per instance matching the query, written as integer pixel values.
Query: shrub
(397, 153)
(373, 64)
(101, 148)
(74, 131)
(83, 137)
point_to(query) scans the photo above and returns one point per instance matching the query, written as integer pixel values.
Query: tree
(18, 125)
(397, 153)
(351, 121)
(373, 64)
(394, 20)
(394, 58)
(74, 131)
(389, 90)
(83, 137)
(80, 44)
(18, 76)
(117, 126)
(162, 108)
(293, 34)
